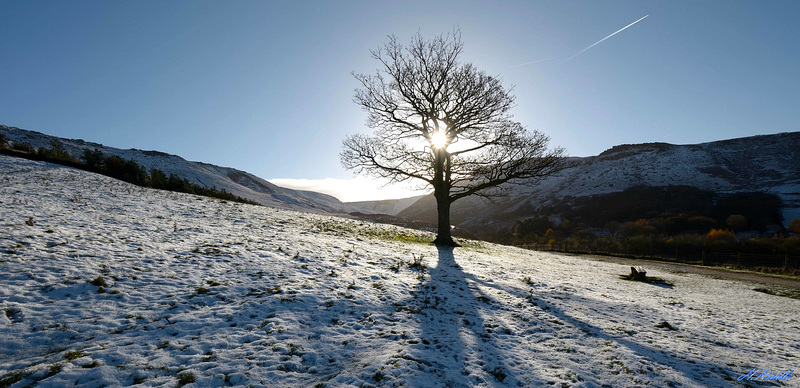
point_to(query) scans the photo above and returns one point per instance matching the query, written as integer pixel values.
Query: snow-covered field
(116, 285)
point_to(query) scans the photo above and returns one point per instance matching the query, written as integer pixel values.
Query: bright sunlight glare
(439, 140)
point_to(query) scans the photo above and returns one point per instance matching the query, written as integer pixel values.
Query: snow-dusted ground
(208, 293)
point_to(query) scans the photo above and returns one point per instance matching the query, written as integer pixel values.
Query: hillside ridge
(237, 182)
(763, 163)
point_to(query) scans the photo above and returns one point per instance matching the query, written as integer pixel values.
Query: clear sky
(265, 86)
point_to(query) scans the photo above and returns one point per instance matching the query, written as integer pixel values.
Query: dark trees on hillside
(114, 166)
(93, 159)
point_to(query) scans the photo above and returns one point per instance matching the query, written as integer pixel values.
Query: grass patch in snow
(12, 378)
(186, 378)
(498, 373)
(98, 281)
(74, 354)
(200, 290)
(359, 229)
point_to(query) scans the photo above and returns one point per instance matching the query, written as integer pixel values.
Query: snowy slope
(768, 163)
(237, 182)
(210, 293)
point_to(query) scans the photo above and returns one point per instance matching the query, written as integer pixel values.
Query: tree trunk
(443, 236)
(441, 190)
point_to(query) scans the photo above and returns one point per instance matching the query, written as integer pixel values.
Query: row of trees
(534, 230)
(677, 222)
(116, 167)
(700, 237)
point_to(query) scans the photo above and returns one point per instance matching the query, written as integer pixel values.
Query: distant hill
(616, 178)
(236, 182)
(387, 206)
(766, 163)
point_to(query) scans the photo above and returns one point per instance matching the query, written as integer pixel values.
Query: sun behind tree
(423, 100)
(439, 140)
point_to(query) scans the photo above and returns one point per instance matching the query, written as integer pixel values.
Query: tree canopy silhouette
(443, 122)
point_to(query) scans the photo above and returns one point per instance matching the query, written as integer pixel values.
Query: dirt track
(709, 271)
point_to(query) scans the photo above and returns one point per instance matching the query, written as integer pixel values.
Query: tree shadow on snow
(465, 342)
(553, 318)
(462, 345)
(462, 340)
(688, 369)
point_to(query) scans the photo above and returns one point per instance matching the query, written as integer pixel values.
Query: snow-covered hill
(767, 163)
(107, 284)
(239, 183)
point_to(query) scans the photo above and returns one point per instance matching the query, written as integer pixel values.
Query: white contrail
(598, 42)
(540, 60)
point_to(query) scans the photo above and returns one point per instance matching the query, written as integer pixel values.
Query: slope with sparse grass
(202, 292)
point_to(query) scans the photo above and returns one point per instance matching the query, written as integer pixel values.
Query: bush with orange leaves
(721, 239)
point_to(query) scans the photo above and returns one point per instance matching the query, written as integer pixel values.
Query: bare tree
(445, 123)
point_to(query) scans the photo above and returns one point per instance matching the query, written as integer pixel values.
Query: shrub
(643, 244)
(98, 281)
(737, 222)
(702, 224)
(638, 228)
(92, 158)
(791, 245)
(536, 226)
(417, 263)
(584, 234)
(24, 147)
(721, 240)
(604, 244)
(794, 226)
(687, 242)
(720, 235)
(759, 245)
(56, 151)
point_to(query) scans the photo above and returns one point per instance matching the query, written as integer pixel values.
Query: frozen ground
(199, 292)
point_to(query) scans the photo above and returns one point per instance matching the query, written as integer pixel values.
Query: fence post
(738, 260)
(704, 257)
(785, 261)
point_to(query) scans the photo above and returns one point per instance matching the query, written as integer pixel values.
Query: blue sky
(265, 86)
